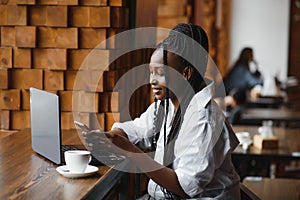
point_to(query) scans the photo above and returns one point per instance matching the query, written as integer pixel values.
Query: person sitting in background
(240, 75)
(236, 103)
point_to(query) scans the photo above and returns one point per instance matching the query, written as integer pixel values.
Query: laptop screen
(45, 124)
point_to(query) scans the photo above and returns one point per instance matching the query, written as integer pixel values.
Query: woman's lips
(156, 90)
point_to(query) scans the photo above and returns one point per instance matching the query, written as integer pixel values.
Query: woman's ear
(188, 72)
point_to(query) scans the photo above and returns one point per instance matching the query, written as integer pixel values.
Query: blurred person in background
(236, 102)
(240, 75)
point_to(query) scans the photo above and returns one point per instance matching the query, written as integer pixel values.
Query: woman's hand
(114, 141)
(122, 142)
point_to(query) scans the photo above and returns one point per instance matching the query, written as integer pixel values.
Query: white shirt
(202, 150)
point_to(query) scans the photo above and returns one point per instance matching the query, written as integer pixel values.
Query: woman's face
(157, 75)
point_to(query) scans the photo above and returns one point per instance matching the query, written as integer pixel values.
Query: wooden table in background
(259, 162)
(273, 189)
(289, 142)
(255, 116)
(26, 175)
(268, 101)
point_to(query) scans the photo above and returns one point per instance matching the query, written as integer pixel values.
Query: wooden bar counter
(26, 175)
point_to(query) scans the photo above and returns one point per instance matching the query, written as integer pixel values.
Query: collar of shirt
(203, 97)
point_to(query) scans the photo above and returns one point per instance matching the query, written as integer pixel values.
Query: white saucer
(63, 170)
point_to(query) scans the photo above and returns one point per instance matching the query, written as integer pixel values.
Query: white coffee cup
(77, 160)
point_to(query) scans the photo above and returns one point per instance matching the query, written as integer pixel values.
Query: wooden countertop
(26, 175)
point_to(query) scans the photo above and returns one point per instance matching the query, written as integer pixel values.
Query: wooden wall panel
(52, 58)
(45, 43)
(25, 99)
(92, 37)
(21, 2)
(79, 101)
(22, 58)
(96, 17)
(110, 119)
(8, 36)
(58, 37)
(214, 17)
(119, 3)
(37, 15)
(58, 2)
(4, 119)
(26, 78)
(26, 36)
(5, 57)
(3, 79)
(20, 119)
(67, 119)
(10, 100)
(53, 80)
(87, 80)
(16, 15)
(98, 121)
(57, 16)
(93, 2)
(171, 13)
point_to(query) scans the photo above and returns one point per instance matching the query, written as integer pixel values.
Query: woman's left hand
(111, 142)
(122, 143)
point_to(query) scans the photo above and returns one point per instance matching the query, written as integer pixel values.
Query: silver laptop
(46, 130)
(45, 124)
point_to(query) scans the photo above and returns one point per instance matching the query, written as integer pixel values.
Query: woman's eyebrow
(156, 65)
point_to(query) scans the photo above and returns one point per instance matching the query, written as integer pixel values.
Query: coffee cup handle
(90, 159)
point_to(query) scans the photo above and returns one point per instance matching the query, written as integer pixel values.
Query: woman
(190, 139)
(240, 75)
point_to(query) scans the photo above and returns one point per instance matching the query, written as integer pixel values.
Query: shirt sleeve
(252, 80)
(196, 156)
(140, 128)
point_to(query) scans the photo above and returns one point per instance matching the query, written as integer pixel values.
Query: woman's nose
(153, 80)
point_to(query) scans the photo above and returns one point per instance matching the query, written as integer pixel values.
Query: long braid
(154, 139)
(165, 59)
(167, 194)
(157, 122)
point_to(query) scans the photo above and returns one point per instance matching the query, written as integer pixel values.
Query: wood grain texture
(8, 35)
(4, 119)
(10, 99)
(5, 57)
(26, 78)
(54, 59)
(274, 188)
(79, 101)
(26, 36)
(22, 58)
(20, 119)
(34, 177)
(53, 80)
(3, 79)
(45, 44)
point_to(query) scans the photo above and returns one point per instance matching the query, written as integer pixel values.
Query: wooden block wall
(171, 13)
(43, 44)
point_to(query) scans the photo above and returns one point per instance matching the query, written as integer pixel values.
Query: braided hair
(176, 43)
